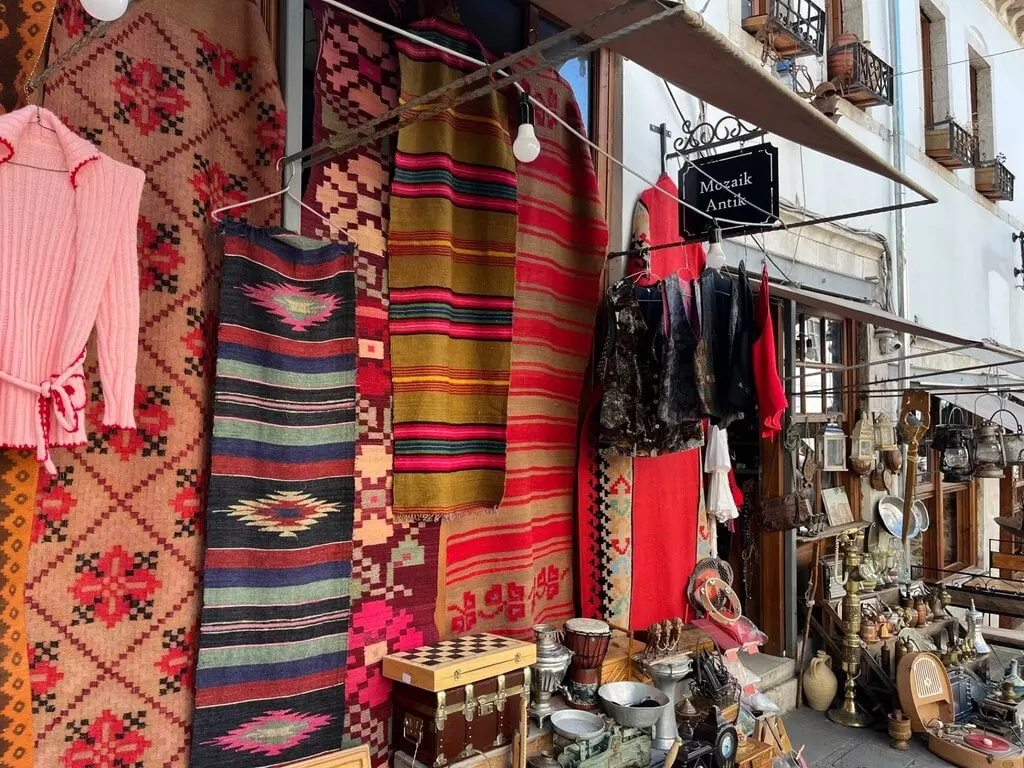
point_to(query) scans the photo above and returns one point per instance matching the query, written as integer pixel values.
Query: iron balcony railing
(871, 80)
(950, 144)
(999, 180)
(795, 27)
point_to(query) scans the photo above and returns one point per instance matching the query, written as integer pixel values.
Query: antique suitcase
(459, 696)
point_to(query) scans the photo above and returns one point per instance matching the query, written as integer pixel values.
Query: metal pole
(789, 540)
(290, 54)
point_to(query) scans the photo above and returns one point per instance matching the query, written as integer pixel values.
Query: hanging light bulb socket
(526, 147)
(716, 256)
(105, 10)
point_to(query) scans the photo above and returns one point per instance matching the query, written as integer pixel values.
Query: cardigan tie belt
(66, 391)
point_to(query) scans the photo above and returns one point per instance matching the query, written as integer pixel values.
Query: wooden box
(754, 754)
(459, 697)
(617, 665)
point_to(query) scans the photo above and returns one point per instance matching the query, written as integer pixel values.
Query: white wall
(959, 252)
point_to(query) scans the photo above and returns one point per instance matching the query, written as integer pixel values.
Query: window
(845, 16)
(820, 386)
(981, 105)
(950, 543)
(926, 69)
(504, 26)
(934, 60)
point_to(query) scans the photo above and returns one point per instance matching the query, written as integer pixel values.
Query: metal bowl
(620, 699)
(576, 725)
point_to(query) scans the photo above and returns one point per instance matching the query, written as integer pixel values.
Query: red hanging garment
(771, 397)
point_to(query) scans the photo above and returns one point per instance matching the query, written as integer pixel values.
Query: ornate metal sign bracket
(705, 136)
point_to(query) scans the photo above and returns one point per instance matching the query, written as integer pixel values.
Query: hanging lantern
(954, 441)
(862, 447)
(1013, 442)
(988, 450)
(833, 448)
(885, 433)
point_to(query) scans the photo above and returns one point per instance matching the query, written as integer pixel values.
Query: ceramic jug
(1014, 677)
(820, 683)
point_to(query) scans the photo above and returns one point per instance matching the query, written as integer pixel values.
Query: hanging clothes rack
(333, 147)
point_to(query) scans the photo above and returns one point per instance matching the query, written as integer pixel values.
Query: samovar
(546, 679)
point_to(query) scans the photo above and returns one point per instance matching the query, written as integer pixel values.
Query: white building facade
(947, 266)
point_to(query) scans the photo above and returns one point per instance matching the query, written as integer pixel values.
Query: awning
(702, 61)
(984, 351)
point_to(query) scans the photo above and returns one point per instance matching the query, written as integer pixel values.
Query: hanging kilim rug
(394, 562)
(453, 249)
(18, 476)
(506, 572)
(24, 25)
(272, 634)
(187, 91)
(604, 527)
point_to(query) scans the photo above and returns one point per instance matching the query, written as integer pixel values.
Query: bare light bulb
(526, 147)
(105, 10)
(716, 256)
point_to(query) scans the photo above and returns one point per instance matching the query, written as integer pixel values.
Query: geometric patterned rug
(186, 90)
(394, 562)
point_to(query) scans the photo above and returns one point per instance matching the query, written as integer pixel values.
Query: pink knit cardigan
(68, 263)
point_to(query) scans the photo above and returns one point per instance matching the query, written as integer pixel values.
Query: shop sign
(744, 185)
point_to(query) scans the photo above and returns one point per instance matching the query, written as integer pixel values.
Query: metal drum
(588, 640)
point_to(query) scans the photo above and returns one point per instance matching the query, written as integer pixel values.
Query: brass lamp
(988, 451)
(862, 447)
(847, 713)
(885, 433)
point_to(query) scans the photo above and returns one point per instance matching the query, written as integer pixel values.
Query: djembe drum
(588, 640)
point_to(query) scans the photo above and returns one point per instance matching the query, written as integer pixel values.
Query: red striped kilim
(453, 252)
(510, 570)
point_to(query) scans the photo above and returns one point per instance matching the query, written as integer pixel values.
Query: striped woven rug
(273, 630)
(452, 243)
(394, 560)
(507, 571)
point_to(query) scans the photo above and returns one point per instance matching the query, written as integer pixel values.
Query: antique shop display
(588, 640)
(885, 433)
(954, 440)
(833, 448)
(1013, 441)
(820, 682)
(692, 752)
(666, 673)
(848, 713)
(458, 696)
(862, 447)
(899, 731)
(723, 737)
(547, 673)
(988, 450)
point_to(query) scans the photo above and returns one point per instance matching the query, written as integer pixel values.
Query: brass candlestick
(847, 713)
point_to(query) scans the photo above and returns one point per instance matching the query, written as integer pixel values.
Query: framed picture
(837, 506)
(356, 757)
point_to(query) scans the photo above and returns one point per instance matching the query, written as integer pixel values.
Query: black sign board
(744, 184)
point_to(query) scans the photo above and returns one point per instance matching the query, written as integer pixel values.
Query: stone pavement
(828, 745)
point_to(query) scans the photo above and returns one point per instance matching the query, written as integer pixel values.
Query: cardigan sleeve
(117, 324)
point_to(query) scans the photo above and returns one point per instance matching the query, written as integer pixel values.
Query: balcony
(993, 180)
(789, 27)
(862, 78)
(950, 144)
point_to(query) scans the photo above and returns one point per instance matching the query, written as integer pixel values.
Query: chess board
(462, 661)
